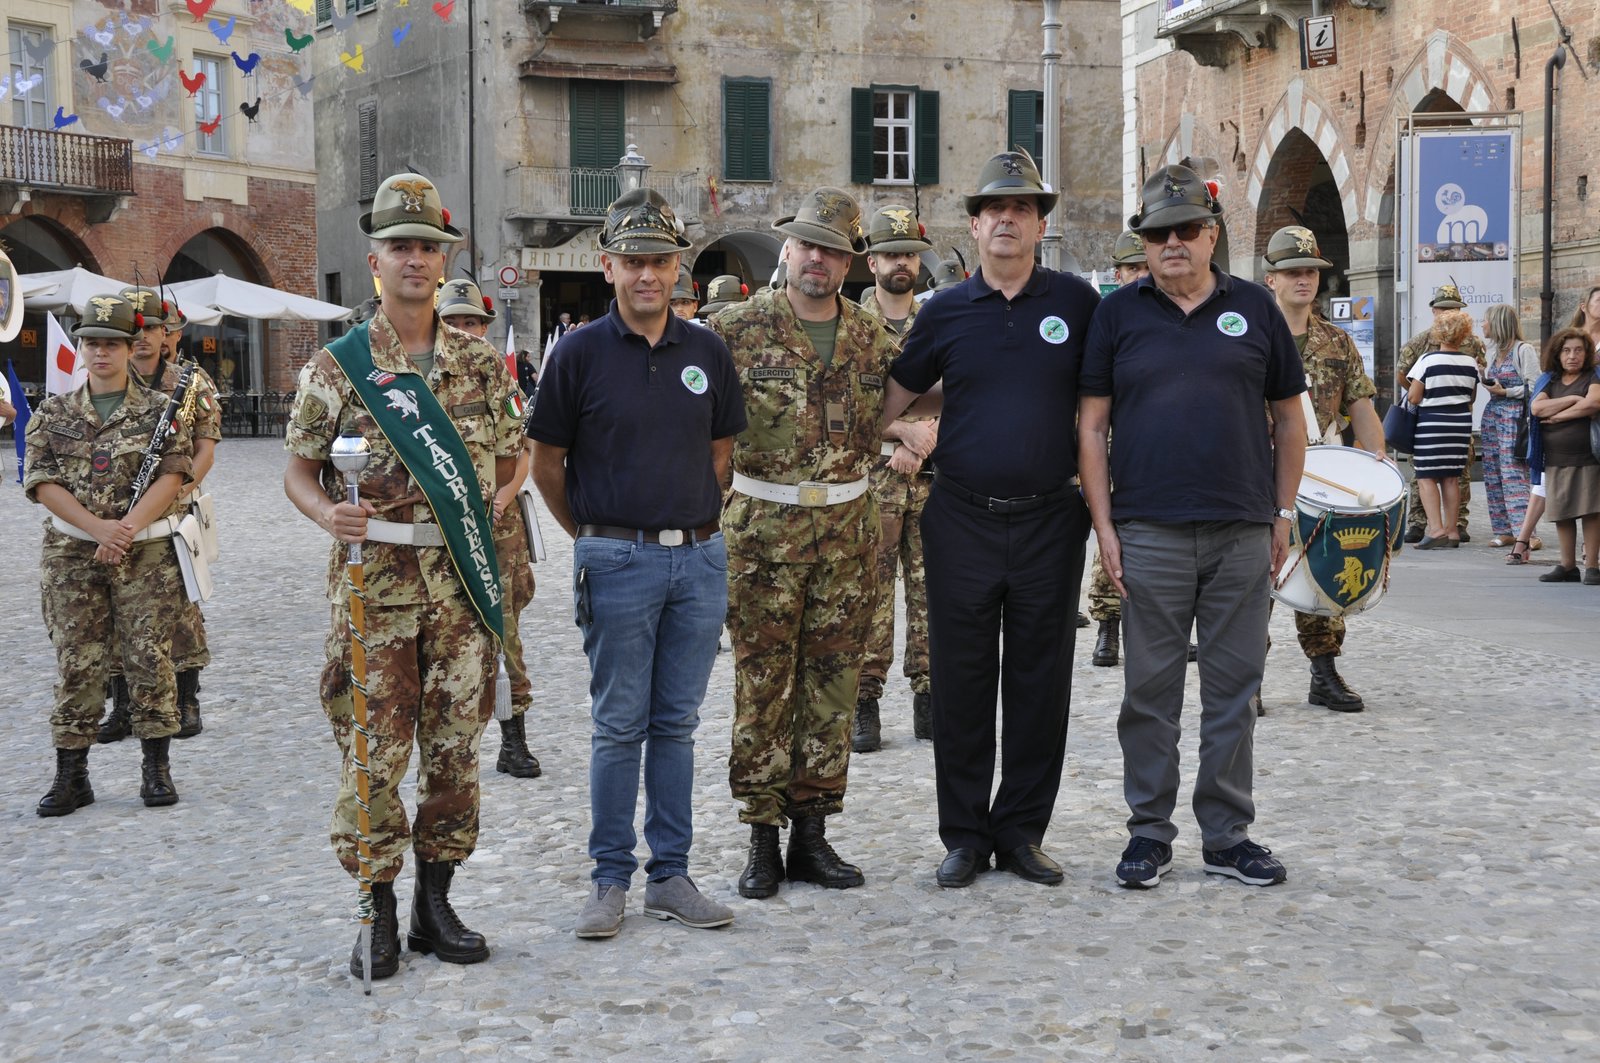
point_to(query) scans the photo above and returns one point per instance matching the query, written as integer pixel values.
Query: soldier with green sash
(440, 412)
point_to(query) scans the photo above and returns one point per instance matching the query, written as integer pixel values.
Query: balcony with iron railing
(566, 193)
(648, 13)
(1213, 30)
(48, 161)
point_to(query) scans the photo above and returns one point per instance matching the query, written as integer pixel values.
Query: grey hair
(1501, 326)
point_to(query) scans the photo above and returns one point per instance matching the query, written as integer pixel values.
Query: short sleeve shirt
(637, 422)
(1190, 440)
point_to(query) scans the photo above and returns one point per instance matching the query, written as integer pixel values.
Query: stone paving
(1442, 850)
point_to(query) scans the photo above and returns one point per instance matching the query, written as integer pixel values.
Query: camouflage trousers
(516, 575)
(899, 550)
(1417, 517)
(1104, 601)
(1319, 635)
(797, 631)
(95, 611)
(429, 680)
(189, 648)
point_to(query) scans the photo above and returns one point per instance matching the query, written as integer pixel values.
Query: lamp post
(631, 169)
(1050, 247)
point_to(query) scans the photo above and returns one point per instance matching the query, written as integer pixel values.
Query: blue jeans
(651, 616)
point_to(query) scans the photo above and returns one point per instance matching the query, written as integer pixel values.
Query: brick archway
(238, 234)
(1301, 108)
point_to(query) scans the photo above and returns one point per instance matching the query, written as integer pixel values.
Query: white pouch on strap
(530, 522)
(187, 540)
(202, 509)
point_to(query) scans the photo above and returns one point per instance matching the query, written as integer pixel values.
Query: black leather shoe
(1108, 644)
(385, 935)
(1466, 537)
(866, 735)
(156, 788)
(119, 723)
(1415, 535)
(71, 789)
(1329, 689)
(922, 716)
(1029, 862)
(960, 868)
(811, 859)
(189, 722)
(1194, 653)
(1083, 621)
(515, 760)
(435, 926)
(764, 868)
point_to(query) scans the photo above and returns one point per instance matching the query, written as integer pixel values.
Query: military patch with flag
(515, 407)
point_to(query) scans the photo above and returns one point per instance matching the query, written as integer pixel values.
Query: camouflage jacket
(473, 385)
(97, 462)
(870, 305)
(1334, 374)
(1422, 343)
(787, 393)
(891, 486)
(207, 407)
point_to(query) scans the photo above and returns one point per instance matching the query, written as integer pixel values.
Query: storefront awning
(601, 61)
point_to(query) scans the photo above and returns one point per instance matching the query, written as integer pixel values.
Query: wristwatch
(1286, 514)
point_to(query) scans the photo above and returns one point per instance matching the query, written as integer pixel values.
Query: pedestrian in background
(1442, 385)
(1513, 366)
(1587, 317)
(1566, 398)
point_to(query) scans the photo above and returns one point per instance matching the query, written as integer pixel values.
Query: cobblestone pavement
(1442, 850)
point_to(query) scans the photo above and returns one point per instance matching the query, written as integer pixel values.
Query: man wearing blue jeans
(631, 435)
(1185, 364)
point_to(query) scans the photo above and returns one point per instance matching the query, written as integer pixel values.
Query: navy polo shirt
(1189, 434)
(1010, 371)
(637, 422)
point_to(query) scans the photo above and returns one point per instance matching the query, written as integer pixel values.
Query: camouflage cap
(407, 205)
(1011, 173)
(724, 291)
(1447, 297)
(641, 222)
(10, 300)
(462, 297)
(1294, 247)
(1172, 196)
(896, 230)
(110, 316)
(829, 217)
(147, 302)
(948, 274)
(1128, 250)
(685, 288)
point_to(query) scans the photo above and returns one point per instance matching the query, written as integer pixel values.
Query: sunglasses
(1187, 231)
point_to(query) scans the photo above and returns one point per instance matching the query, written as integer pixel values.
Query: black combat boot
(119, 724)
(922, 715)
(812, 859)
(156, 787)
(515, 760)
(865, 734)
(1108, 644)
(435, 927)
(189, 703)
(764, 869)
(385, 935)
(70, 791)
(1328, 687)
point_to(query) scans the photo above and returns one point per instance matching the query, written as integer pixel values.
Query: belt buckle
(670, 537)
(813, 494)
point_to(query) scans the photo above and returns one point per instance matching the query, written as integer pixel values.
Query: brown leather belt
(664, 537)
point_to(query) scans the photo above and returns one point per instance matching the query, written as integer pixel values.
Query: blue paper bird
(223, 32)
(63, 119)
(246, 66)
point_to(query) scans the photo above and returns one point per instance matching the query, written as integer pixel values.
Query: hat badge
(102, 307)
(1305, 241)
(411, 193)
(1011, 165)
(830, 204)
(899, 220)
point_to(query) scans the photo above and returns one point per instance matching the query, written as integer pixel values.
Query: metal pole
(1050, 249)
(1547, 294)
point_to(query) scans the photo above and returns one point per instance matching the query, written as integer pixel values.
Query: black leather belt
(665, 537)
(1024, 504)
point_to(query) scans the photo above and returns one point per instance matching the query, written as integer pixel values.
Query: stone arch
(1302, 109)
(238, 234)
(69, 244)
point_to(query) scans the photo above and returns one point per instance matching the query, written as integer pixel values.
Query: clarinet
(178, 404)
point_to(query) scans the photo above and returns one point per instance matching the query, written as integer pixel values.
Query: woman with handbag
(1444, 382)
(1566, 399)
(1513, 365)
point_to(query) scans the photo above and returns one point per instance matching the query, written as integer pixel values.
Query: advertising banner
(1463, 219)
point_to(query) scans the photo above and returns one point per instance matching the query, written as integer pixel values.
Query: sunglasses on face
(1189, 230)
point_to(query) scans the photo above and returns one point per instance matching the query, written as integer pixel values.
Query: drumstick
(1362, 497)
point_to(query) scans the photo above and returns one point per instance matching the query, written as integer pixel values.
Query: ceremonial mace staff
(350, 454)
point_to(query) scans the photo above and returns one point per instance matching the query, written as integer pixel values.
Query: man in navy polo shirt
(1004, 529)
(1184, 363)
(632, 432)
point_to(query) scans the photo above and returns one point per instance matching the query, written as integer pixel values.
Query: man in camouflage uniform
(802, 532)
(900, 484)
(461, 305)
(151, 367)
(109, 582)
(1445, 297)
(722, 293)
(430, 655)
(1341, 393)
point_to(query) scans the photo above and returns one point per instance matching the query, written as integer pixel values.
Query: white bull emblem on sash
(405, 402)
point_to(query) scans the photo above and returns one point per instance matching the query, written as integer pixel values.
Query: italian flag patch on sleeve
(515, 407)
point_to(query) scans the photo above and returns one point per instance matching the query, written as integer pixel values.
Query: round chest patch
(694, 378)
(1053, 330)
(101, 462)
(1232, 323)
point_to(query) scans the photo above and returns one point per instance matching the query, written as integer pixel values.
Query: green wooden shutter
(927, 138)
(367, 148)
(746, 130)
(1022, 125)
(324, 12)
(596, 133)
(861, 136)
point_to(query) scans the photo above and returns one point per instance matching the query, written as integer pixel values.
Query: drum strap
(1315, 436)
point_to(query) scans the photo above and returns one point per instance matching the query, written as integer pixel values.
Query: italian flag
(515, 407)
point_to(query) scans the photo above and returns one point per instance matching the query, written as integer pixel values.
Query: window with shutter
(367, 148)
(894, 135)
(595, 129)
(1025, 121)
(927, 126)
(324, 12)
(746, 129)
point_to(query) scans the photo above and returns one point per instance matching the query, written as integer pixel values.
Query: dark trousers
(1002, 601)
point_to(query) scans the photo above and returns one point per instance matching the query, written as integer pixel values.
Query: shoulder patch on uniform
(871, 380)
(312, 410)
(771, 373)
(469, 409)
(63, 430)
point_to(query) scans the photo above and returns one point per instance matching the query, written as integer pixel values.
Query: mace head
(350, 454)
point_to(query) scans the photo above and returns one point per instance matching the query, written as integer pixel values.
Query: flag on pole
(511, 350)
(63, 372)
(19, 399)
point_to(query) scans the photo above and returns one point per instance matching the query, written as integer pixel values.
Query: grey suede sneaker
(677, 898)
(602, 912)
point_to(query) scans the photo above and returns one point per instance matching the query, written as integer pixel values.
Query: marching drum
(1350, 516)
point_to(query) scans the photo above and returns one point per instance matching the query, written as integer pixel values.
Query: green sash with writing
(433, 452)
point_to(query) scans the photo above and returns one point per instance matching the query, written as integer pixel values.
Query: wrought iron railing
(72, 162)
(581, 191)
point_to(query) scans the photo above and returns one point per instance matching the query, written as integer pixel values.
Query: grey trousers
(1215, 575)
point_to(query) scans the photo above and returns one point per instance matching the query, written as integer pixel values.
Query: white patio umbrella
(229, 295)
(63, 290)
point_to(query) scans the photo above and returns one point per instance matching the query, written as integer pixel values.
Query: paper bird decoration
(40, 51)
(113, 109)
(250, 110)
(304, 85)
(191, 85)
(162, 52)
(246, 66)
(342, 22)
(211, 127)
(355, 61)
(223, 31)
(297, 44)
(444, 10)
(62, 120)
(98, 70)
(198, 8)
(400, 34)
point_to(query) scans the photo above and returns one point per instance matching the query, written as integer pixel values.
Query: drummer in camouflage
(1340, 396)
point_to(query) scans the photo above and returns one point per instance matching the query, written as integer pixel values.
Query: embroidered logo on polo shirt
(694, 379)
(1053, 330)
(1232, 323)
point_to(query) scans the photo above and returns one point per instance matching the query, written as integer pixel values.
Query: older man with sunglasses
(1185, 363)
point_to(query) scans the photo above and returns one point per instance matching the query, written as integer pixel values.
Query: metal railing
(666, 6)
(585, 192)
(72, 162)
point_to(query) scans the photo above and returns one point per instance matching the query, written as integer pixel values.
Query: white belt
(805, 493)
(160, 529)
(388, 531)
(887, 449)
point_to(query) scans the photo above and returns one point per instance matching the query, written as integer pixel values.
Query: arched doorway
(1300, 189)
(747, 254)
(233, 351)
(36, 244)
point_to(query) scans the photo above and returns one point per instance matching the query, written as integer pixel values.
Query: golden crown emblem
(1355, 538)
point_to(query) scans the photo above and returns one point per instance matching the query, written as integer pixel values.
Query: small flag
(63, 372)
(19, 399)
(511, 350)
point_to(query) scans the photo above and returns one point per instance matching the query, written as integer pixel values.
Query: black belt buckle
(1014, 505)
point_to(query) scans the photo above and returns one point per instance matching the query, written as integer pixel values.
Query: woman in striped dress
(1443, 384)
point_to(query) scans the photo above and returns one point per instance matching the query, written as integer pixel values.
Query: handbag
(1594, 436)
(1519, 449)
(1400, 426)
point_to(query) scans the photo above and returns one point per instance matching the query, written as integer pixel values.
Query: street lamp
(631, 169)
(1051, 247)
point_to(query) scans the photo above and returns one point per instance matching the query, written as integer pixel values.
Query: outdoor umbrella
(69, 290)
(229, 295)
